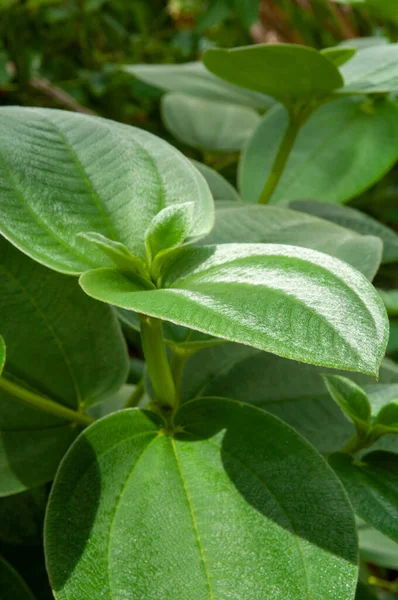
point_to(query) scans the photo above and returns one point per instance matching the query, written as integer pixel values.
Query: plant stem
(136, 395)
(157, 363)
(45, 404)
(285, 148)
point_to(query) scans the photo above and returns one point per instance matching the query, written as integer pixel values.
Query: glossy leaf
(229, 475)
(372, 485)
(207, 124)
(63, 173)
(354, 219)
(12, 586)
(372, 70)
(61, 345)
(377, 548)
(293, 302)
(292, 391)
(22, 516)
(220, 188)
(351, 399)
(275, 225)
(193, 79)
(287, 72)
(335, 157)
(339, 55)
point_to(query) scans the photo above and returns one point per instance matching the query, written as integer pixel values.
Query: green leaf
(287, 72)
(275, 225)
(390, 299)
(292, 391)
(339, 55)
(372, 70)
(220, 188)
(221, 474)
(12, 586)
(22, 516)
(335, 157)
(388, 416)
(351, 399)
(193, 79)
(290, 301)
(60, 345)
(208, 124)
(62, 174)
(365, 592)
(2, 354)
(354, 219)
(168, 230)
(372, 485)
(377, 548)
(364, 42)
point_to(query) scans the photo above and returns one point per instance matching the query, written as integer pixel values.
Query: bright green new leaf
(372, 70)
(354, 219)
(60, 345)
(339, 55)
(335, 156)
(290, 301)
(231, 491)
(12, 586)
(287, 72)
(377, 548)
(193, 79)
(275, 225)
(208, 124)
(22, 516)
(168, 230)
(62, 174)
(372, 485)
(2, 354)
(351, 399)
(390, 299)
(220, 188)
(388, 416)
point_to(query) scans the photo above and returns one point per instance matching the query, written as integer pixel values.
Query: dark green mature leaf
(339, 55)
(335, 157)
(245, 487)
(220, 188)
(353, 219)
(207, 124)
(372, 485)
(292, 391)
(287, 72)
(290, 301)
(22, 516)
(372, 70)
(377, 548)
(63, 173)
(351, 399)
(193, 79)
(275, 225)
(365, 592)
(12, 586)
(61, 345)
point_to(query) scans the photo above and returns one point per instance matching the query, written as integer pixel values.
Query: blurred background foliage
(68, 54)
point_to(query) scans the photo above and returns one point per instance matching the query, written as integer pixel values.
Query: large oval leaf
(12, 586)
(61, 345)
(372, 70)
(335, 157)
(229, 477)
(290, 301)
(287, 72)
(274, 225)
(353, 219)
(372, 485)
(64, 173)
(193, 79)
(208, 125)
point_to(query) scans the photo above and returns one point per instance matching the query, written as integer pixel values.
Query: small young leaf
(372, 486)
(12, 585)
(388, 416)
(63, 173)
(339, 55)
(372, 70)
(290, 301)
(335, 157)
(168, 230)
(228, 472)
(353, 219)
(274, 225)
(287, 72)
(206, 124)
(220, 188)
(193, 79)
(351, 399)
